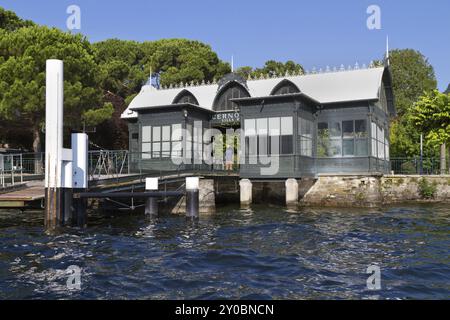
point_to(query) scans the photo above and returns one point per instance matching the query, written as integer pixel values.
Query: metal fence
(108, 163)
(425, 166)
(11, 169)
(114, 163)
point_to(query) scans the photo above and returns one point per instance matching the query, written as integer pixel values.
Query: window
(274, 135)
(198, 140)
(262, 133)
(161, 141)
(251, 145)
(380, 142)
(189, 140)
(165, 144)
(348, 143)
(305, 131)
(233, 91)
(342, 139)
(335, 149)
(374, 139)
(287, 138)
(361, 143)
(265, 136)
(177, 137)
(146, 142)
(185, 97)
(285, 87)
(323, 140)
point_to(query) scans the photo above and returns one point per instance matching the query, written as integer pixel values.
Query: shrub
(427, 190)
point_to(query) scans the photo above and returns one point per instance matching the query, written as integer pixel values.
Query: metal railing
(108, 164)
(416, 166)
(11, 169)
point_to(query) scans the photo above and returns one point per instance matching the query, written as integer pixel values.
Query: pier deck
(32, 194)
(23, 195)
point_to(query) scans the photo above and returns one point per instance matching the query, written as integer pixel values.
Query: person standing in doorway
(229, 158)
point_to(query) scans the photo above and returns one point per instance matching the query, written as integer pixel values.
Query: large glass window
(265, 136)
(287, 135)
(305, 132)
(323, 140)
(274, 135)
(146, 142)
(198, 140)
(346, 138)
(262, 132)
(361, 134)
(161, 141)
(380, 142)
(251, 146)
(177, 137)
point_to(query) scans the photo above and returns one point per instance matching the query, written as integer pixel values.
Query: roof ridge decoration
(274, 75)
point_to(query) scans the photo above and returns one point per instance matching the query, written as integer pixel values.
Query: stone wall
(373, 191)
(207, 202)
(401, 188)
(344, 191)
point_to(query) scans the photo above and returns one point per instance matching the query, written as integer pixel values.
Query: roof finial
(387, 62)
(232, 63)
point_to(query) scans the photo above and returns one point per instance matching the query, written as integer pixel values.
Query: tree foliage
(271, 68)
(10, 21)
(23, 55)
(431, 115)
(126, 65)
(412, 76)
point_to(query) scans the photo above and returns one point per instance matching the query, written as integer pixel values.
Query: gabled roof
(332, 87)
(448, 89)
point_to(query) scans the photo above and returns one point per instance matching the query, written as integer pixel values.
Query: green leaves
(10, 21)
(93, 117)
(412, 76)
(271, 68)
(23, 55)
(431, 115)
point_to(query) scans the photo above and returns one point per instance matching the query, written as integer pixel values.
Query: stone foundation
(207, 199)
(373, 191)
(401, 188)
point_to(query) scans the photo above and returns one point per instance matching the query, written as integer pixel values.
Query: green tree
(412, 76)
(182, 60)
(271, 68)
(23, 55)
(431, 115)
(121, 67)
(10, 21)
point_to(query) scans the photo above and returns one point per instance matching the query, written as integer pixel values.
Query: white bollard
(246, 188)
(192, 197)
(291, 192)
(151, 206)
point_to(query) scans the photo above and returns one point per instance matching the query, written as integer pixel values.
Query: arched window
(233, 90)
(185, 97)
(285, 87)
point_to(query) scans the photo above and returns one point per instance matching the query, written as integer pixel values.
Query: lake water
(266, 252)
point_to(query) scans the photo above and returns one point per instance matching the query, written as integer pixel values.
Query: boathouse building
(323, 122)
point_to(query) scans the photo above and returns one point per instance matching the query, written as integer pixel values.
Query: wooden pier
(32, 194)
(23, 196)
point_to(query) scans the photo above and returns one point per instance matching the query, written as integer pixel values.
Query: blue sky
(314, 33)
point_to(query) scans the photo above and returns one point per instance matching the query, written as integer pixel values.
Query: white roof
(343, 86)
